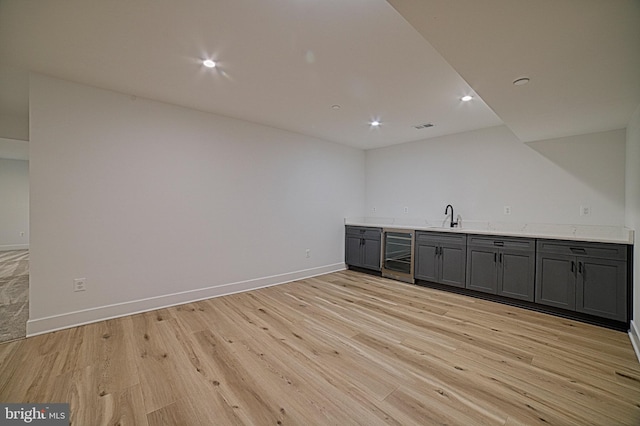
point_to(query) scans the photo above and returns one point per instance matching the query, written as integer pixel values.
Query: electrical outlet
(308, 253)
(507, 210)
(373, 210)
(406, 209)
(80, 284)
(585, 210)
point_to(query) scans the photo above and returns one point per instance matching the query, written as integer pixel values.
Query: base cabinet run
(362, 247)
(584, 277)
(503, 266)
(441, 258)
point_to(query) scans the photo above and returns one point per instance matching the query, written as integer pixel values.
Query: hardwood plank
(443, 410)
(9, 363)
(190, 316)
(91, 405)
(180, 412)
(126, 409)
(157, 358)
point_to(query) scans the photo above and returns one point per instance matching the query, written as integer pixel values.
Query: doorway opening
(14, 239)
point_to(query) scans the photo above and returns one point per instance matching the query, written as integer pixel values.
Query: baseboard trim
(635, 339)
(88, 316)
(15, 247)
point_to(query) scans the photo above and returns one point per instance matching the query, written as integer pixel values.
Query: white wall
(482, 171)
(14, 204)
(14, 126)
(632, 216)
(14, 149)
(155, 204)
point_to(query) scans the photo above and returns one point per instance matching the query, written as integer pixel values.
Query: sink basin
(444, 228)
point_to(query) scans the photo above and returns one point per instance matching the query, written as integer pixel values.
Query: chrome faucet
(446, 209)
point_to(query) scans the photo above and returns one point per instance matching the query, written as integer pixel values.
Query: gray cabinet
(581, 277)
(503, 266)
(585, 277)
(362, 247)
(441, 258)
(556, 280)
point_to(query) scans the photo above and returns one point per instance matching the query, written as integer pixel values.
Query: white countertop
(593, 233)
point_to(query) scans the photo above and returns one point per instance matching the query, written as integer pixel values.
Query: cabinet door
(482, 270)
(556, 280)
(602, 288)
(352, 252)
(452, 265)
(426, 267)
(517, 274)
(371, 253)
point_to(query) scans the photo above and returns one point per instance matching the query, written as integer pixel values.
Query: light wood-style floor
(344, 348)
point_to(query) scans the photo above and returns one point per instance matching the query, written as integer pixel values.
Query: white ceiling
(583, 58)
(284, 63)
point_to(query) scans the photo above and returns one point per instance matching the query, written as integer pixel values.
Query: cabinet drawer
(508, 243)
(364, 232)
(579, 248)
(440, 237)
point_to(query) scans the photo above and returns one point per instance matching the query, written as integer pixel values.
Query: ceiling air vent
(423, 126)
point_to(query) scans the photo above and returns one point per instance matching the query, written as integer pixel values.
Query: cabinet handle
(495, 257)
(500, 257)
(573, 266)
(361, 241)
(580, 267)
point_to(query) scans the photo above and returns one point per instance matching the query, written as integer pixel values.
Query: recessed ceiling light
(375, 123)
(466, 98)
(521, 81)
(209, 63)
(336, 106)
